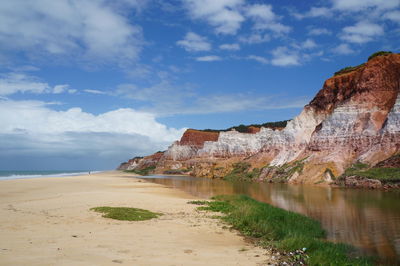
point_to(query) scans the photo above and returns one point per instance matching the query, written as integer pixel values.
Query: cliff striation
(354, 118)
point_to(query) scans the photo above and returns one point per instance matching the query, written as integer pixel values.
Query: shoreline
(47, 221)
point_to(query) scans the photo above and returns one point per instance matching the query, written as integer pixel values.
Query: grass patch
(285, 230)
(145, 171)
(198, 202)
(241, 172)
(384, 174)
(126, 214)
(284, 172)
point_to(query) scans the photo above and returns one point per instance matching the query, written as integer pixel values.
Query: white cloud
(230, 46)
(344, 49)
(361, 32)
(261, 12)
(194, 43)
(11, 83)
(265, 19)
(259, 59)
(283, 56)
(319, 31)
(315, 12)
(255, 38)
(393, 15)
(223, 15)
(31, 128)
(208, 58)
(308, 44)
(94, 91)
(88, 30)
(18, 82)
(35, 117)
(60, 88)
(358, 5)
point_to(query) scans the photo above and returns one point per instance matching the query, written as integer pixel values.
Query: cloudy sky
(86, 84)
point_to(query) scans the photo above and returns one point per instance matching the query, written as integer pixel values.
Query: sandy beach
(48, 221)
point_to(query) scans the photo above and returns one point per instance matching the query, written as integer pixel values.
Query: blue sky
(88, 84)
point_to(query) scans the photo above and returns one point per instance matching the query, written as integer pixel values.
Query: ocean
(7, 175)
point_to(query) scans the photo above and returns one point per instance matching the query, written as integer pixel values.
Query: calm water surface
(367, 219)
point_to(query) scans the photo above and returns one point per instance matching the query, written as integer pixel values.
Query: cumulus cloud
(89, 30)
(283, 56)
(315, 12)
(223, 15)
(393, 15)
(361, 32)
(230, 46)
(265, 19)
(208, 58)
(344, 49)
(18, 82)
(308, 44)
(33, 128)
(194, 43)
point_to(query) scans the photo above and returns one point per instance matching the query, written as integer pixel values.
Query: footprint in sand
(188, 251)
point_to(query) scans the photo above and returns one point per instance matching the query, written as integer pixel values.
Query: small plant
(380, 53)
(198, 202)
(126, 214)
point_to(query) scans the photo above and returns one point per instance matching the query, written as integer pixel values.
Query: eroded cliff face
(354, 117)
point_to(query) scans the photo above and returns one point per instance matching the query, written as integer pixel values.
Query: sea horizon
(28, 174)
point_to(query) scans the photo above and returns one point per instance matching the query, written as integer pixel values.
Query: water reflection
(366, 219)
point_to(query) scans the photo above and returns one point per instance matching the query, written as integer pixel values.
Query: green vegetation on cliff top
(245, 128)
(352, 68)
(287, 231)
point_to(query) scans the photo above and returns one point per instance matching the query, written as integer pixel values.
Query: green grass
(144, 171)
(382, 173)
(286, 171)
(126, 214)
(241, 172)
(284, 230)
(198, 202)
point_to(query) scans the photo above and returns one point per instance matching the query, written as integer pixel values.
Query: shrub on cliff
(347, 69)
(241, 171)
(379, 54)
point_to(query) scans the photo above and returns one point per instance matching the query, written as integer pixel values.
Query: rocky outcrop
(131, 164)
(354, 117)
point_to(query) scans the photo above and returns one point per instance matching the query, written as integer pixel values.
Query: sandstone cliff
(355, 117)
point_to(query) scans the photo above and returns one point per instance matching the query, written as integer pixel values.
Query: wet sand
(47, 221)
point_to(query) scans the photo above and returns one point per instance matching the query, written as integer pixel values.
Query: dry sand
(47, 221)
